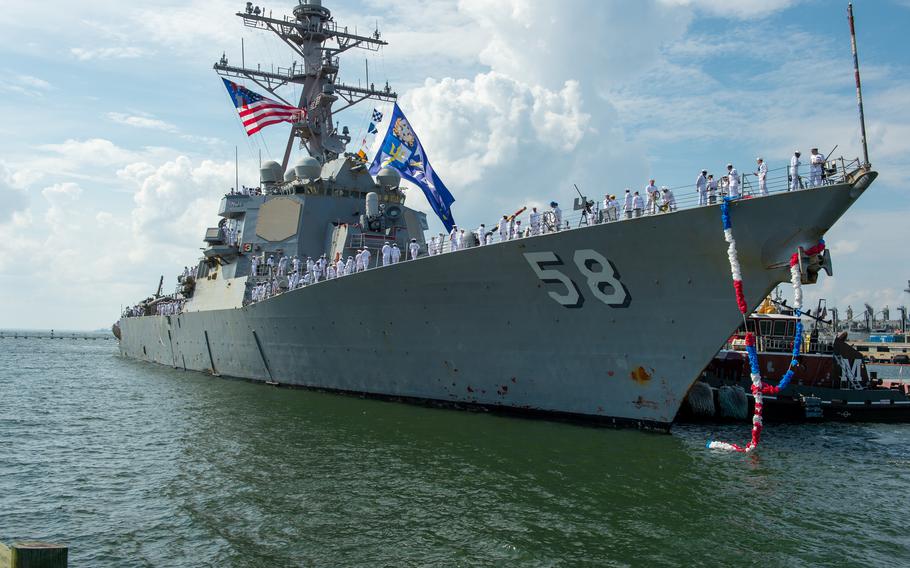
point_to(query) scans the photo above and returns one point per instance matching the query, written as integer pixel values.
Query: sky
(118, 138)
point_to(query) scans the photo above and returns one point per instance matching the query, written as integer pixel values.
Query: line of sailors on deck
(244, 190)
(301, 273)
(171, 308)
(163, 308)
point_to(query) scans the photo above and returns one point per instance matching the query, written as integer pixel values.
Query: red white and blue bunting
(759, 388)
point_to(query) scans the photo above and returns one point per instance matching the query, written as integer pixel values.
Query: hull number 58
(600, 274)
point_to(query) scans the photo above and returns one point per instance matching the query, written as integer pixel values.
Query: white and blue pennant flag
(402, 151)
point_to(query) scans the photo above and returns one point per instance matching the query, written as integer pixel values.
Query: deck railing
(778, 180)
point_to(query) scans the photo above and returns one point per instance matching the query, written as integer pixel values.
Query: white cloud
(60, 197)
(24, 84)
(122, 52)
(175, 201)
(65, 190)
(12, 199)
(738, 9)
(147, 122)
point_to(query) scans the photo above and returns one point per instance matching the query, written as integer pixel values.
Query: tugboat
(831, 382)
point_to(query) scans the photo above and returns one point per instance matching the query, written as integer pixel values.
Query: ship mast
(313, 35)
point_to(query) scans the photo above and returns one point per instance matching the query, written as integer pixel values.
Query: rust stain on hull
(641, 375)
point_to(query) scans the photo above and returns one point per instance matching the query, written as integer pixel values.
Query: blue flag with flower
(401, 150)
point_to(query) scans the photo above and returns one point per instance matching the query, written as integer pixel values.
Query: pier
(71, 335)
(33, 555)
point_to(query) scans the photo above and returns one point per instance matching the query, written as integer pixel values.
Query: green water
(132, 464)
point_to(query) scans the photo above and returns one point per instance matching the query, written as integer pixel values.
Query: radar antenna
(313, 35)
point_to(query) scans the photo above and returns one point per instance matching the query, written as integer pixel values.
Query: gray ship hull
(482, 327)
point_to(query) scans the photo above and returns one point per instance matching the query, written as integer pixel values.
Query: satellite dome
(308, 168)
(388, 178)
(290, 175)
(270, 172)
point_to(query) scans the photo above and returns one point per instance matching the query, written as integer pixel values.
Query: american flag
(257, 112)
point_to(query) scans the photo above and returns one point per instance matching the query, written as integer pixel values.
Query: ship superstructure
(566, 319)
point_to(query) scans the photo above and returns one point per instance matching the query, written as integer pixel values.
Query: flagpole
(859, 90)
(236, 170)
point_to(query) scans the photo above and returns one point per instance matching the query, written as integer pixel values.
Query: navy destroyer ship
(587, 317)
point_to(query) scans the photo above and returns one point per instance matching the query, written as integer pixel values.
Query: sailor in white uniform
(453, 239)
(349, 266)
(396, 253)
(516, 230)
(712, 190)
(431, 246)
(482, 234)
(329, 272)
(557, 214)
(668, 200)
(504, 229)
(816, 164)
(365, 258)
(652, 192)
(414, 248)
(794, 171)
(460, 240)
(732, 181)
(627, 204)
(535, 221)
(310, 267)
(637, 204)
(701, 187)
(762, 173)
(387, 253)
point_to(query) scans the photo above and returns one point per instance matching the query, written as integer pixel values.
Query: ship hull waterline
(481, 327)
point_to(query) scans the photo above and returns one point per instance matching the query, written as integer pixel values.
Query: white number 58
(600, 274)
